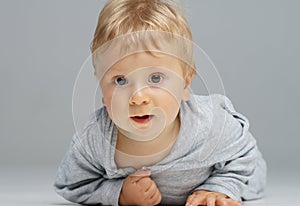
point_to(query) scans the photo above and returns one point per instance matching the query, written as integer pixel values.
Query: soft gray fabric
(214, 151)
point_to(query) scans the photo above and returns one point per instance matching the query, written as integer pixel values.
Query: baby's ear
(188, 80)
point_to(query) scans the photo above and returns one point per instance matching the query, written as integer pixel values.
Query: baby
(153, 142)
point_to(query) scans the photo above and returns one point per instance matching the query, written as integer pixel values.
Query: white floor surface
(34, 187)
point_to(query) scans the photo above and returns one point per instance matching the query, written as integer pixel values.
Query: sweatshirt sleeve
(238, 165)
(79, 179)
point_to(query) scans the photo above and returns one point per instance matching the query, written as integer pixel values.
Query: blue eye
(120, 81)
(155, 78)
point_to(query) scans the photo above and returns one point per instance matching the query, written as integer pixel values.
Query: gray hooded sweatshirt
(214, 151)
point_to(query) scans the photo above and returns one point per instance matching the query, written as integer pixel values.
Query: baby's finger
(189, 199)
(145, 183)
(210, 199)
(194, 200)
(156, 198)
(150, 191)
(228, 202)
(135, 177)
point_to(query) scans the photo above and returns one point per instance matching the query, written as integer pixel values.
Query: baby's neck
(143, 148)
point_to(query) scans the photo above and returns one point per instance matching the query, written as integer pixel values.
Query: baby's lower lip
(142, 119)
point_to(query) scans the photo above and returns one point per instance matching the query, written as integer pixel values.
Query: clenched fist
(139, 189)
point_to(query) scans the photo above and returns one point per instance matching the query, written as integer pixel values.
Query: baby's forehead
(145, 50)
(145, 60)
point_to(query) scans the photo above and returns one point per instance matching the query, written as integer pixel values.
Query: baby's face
(142, 93)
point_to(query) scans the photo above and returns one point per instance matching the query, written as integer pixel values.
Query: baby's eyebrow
(114, 71)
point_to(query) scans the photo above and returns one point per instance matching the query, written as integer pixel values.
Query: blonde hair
(120, 17)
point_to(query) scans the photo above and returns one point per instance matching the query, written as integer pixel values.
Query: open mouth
(142, 119)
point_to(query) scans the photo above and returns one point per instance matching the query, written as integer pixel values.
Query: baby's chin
(144, 129)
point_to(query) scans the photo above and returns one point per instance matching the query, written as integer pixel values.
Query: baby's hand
(203, 197)
(139, 189)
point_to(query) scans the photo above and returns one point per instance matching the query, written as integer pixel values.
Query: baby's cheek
(170, 105)
(108, 105)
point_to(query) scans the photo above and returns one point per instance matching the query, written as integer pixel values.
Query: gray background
(254, 45)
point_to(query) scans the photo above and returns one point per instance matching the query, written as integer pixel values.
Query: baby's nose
(139, 97)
